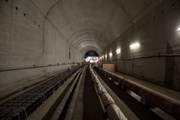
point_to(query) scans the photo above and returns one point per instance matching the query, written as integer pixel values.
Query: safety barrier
(148, 96)
(113, 111)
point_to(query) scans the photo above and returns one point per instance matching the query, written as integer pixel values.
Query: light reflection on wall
(118, 51)
(134, 46)
(110, 54)
(178, 29)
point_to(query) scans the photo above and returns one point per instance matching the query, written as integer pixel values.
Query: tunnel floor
(87, 105)
(92, 106)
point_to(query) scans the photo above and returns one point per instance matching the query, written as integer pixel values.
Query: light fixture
(118, 51)
(110, 54)
(178, 29)
(105, 55)
(135, 45)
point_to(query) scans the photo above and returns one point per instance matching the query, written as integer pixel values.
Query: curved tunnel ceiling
(93, 24)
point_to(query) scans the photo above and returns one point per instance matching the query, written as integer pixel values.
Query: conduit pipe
(148, 96)
(113, 111)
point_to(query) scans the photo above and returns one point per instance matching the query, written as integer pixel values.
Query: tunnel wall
(158, 36)
(28, 39)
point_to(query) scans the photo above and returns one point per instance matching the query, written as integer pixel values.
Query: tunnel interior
(47, 46)
(41, 37)
(91, 56)
(91, 53)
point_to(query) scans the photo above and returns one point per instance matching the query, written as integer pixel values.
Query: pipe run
(34, 66)
(113, 111)
(148, 96)
(148, 56)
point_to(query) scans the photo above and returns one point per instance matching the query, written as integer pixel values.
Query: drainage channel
(92, 107)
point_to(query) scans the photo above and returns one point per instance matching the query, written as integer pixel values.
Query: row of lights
(133, 46)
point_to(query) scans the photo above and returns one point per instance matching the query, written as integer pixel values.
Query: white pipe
(113, 111)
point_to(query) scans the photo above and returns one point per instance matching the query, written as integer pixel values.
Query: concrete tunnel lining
(43, 32)
(108, 19)
(40, 38)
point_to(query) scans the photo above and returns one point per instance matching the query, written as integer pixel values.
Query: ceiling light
(110, 54)
(178, 29)
(135, 45)
(118, 51)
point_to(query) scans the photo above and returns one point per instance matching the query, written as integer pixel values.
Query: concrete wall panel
(27, 40)
(157, 33)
